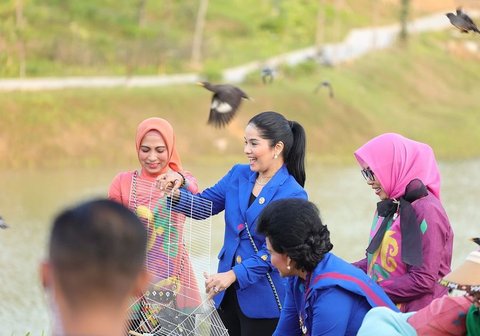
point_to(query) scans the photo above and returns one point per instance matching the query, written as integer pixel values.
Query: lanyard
(302, 315)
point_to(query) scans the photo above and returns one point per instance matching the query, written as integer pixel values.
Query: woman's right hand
(216, 283)
(170, 182)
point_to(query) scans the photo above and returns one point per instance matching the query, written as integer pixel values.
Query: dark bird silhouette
(225, 102)
(476, 240)
(267, 75)
(3, 225)
(462, 21)
(327, 85)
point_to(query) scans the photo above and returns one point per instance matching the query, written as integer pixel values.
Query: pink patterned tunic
(396, 161)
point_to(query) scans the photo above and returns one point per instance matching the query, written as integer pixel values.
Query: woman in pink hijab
(139, 190)
(411, 241)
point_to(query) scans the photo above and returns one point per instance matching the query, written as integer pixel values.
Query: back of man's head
(96, 252)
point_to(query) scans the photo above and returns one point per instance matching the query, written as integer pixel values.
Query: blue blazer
(232, 193)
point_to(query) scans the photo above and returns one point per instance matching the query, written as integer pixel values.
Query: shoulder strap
(269, 277)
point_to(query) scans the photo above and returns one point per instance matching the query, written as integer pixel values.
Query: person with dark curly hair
(325, 294)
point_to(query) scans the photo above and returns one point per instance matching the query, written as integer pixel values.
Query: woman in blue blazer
(247, 290)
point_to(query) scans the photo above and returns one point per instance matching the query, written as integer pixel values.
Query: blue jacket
(232, 193)
(334, 302)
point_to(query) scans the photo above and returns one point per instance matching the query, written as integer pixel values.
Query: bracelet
(471, 289)
(184, 181)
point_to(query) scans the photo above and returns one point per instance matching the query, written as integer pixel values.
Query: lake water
(30, 200)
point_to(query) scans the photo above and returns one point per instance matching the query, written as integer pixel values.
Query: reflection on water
(29, 200)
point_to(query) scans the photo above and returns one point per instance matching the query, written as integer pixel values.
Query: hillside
(425, 90)
(122, 37)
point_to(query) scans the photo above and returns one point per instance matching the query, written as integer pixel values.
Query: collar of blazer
(251, 213)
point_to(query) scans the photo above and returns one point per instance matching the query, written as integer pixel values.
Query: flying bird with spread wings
(327, 85)
(462, 21)
(225, 102)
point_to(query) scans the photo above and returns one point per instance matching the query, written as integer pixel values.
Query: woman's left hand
(215, 283)
(170, 181)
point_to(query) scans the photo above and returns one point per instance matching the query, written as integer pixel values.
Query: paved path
(357, 43)
(55, 83)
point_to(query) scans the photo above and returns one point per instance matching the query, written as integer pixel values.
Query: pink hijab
(166, 131)
(396, 160)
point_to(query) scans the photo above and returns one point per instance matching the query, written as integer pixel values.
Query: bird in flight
(267, 75)
(225, 102)
(462, 21)
(327, 85)
(3, 225)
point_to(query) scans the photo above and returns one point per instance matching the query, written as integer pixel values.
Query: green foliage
(105, 37)
(212, 72)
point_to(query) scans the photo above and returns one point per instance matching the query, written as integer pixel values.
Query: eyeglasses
(368, 174)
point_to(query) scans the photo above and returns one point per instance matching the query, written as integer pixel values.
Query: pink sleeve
(190, 182)
(115, 190)
(443, 316)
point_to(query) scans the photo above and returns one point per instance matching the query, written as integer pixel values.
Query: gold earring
(275, 156)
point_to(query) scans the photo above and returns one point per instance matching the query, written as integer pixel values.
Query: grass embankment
(423, 91)
(106, 37)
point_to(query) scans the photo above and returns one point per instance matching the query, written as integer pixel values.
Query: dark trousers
(240, 325)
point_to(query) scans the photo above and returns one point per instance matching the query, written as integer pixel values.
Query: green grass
(104, 37)
(421, 91)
